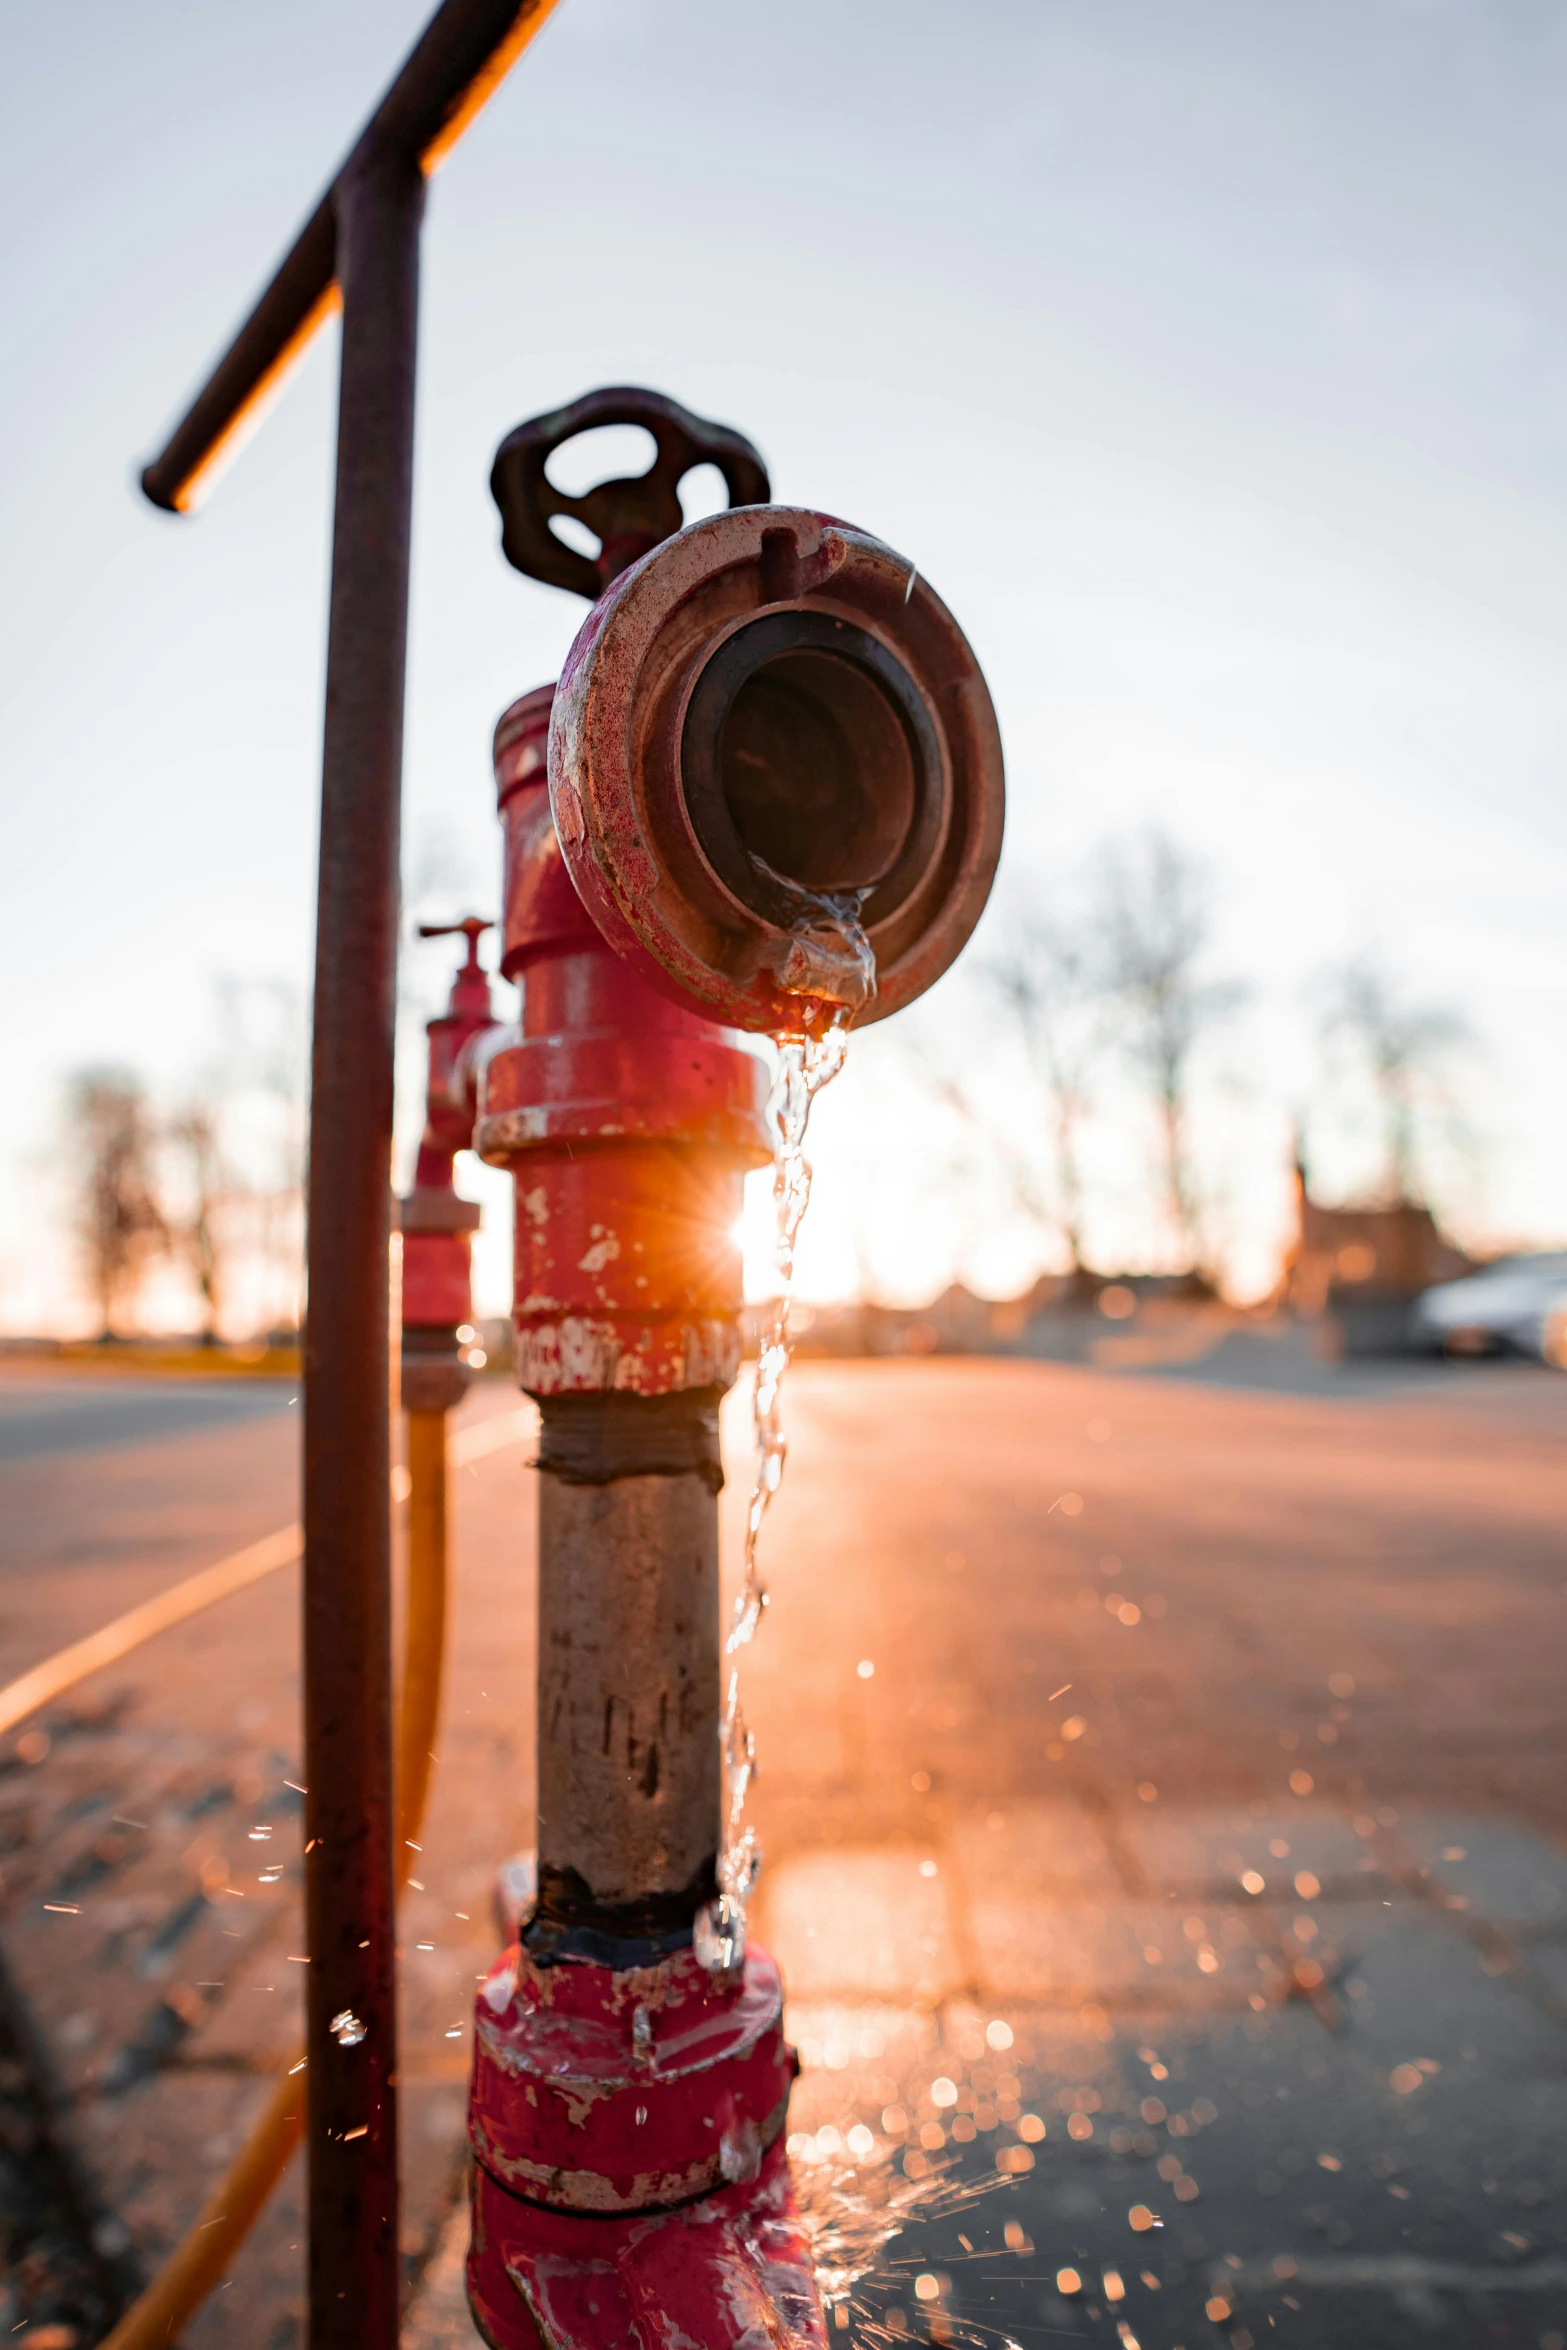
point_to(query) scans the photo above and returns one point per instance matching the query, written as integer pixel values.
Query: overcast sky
(1208, 358)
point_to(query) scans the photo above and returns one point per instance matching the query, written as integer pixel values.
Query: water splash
(849, 2218)
(830, 964)
(836, 977)
(852, 2215)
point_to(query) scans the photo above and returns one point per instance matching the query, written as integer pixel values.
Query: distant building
(1364, 1266)
(1058, 1309)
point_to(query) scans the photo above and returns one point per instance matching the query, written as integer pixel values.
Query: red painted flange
(630, 2186)
(730, 2270)
(606, 2090)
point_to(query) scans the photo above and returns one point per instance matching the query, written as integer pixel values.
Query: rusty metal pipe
(349, 1822)
(628, 1701)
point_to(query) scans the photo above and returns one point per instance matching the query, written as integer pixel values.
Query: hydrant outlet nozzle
(771, 724)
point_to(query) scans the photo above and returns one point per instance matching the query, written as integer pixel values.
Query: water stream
(830, 945)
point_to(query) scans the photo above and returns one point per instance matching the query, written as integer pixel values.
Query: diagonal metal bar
(460, 59)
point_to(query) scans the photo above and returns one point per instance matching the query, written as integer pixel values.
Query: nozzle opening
(807, 753)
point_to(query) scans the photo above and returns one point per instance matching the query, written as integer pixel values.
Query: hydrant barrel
(628, 1121)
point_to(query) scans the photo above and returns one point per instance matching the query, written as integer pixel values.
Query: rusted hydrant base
(630, 2185)
(733, 2267)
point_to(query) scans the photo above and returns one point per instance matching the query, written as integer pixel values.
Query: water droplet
(347, 2030)
(718, 1937)
(498, 1989)
(740, 2152)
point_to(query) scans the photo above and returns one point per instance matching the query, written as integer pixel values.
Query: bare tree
(201, 1236)
(1046, 991)
(259, 1076)
(1405, 1051)
(119, 1220)
(1153, 907)
(1048, 985)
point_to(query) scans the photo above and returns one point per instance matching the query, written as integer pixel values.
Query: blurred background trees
(1047, 985)
(1096, 1013)
(192, 1215)
(1109, 1074)
(1154, 919)
(1405, 1060)
(1076, 1090)
(119, 1222)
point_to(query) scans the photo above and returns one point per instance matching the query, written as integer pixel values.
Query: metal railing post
(349, 1825)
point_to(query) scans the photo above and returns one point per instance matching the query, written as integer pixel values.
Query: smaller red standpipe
(436, 1225)
(768, 704)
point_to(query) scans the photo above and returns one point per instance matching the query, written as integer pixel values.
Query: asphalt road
(1186, 1866)
(101, 1413)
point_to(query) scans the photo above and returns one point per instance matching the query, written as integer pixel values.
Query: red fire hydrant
(767, 724)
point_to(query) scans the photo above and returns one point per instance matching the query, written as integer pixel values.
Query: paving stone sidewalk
(1156, 2079)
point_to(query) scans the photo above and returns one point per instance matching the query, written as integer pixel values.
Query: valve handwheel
(470, 928)
(628, 517)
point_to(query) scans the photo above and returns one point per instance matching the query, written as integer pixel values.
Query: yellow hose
(424, 1639)
(198, 2262)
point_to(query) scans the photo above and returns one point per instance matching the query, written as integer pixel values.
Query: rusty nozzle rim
(772, 703)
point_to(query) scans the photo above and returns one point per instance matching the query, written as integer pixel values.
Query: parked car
(1516, 1306)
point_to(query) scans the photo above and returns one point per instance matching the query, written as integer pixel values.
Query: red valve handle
(470, 928)
(627, 517)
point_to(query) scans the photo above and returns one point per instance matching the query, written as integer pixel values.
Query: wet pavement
(1238, 1959)
(1177, 1902)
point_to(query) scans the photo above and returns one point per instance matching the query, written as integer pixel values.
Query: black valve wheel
(628, 517)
